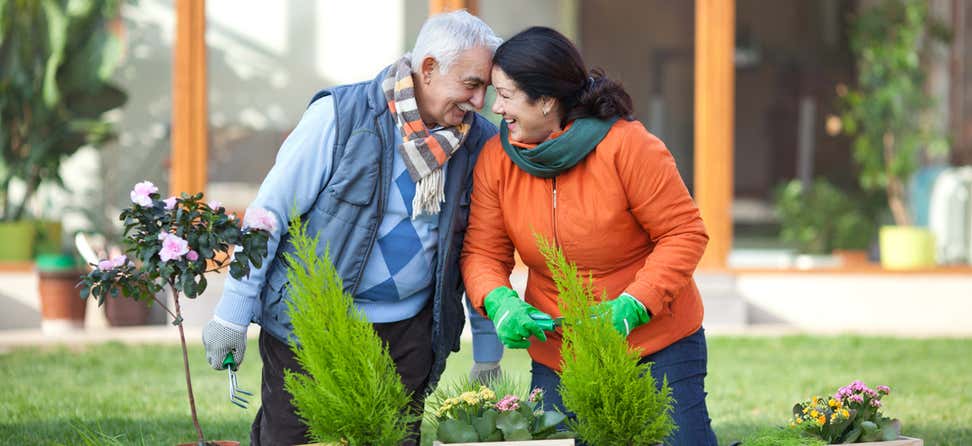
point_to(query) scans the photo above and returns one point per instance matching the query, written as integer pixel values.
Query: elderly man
(381, 172)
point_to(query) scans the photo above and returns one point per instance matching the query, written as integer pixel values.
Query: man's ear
(429, 65)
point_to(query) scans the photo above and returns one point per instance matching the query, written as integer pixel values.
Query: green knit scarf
(554, 156)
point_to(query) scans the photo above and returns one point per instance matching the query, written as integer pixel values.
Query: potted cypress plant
(353, 409)
(55, 86)
(889, 116)
(592, 349)
(172, 244)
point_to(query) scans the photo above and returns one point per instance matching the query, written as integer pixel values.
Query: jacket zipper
(554, 212)
(381, 211)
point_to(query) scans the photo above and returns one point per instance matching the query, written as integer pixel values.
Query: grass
(136, 394)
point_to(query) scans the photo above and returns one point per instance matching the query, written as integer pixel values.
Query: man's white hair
(444, 36)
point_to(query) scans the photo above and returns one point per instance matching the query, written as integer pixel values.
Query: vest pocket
(356, 176)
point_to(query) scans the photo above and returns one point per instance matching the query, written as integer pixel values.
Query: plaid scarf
(424, 153)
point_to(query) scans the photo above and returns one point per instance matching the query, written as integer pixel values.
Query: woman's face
(524, 118)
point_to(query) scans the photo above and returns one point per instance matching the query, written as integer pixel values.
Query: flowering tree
(172, 244)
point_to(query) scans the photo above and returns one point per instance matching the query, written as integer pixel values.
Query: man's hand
(515, 320)
(484, 372)
(625, 313)
(220, 338)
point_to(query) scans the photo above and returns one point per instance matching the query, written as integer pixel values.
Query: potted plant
(57, 58)
(468, 412)
(851, 415)
(351, 409)
(101, 238)
(592, 349)
(824, 220)
(890, 117)
(172, 244)
(61, 309)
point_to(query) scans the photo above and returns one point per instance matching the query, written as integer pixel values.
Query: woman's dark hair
(543, 62)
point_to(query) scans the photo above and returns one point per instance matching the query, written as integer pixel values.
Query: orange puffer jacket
(623, 214)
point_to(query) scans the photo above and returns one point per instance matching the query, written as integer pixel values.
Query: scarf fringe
(429, 194)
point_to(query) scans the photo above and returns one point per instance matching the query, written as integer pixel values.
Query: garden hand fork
(234, 390)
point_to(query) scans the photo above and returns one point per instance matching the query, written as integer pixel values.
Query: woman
(572, 165)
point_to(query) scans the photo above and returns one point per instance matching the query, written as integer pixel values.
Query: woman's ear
(547, 105)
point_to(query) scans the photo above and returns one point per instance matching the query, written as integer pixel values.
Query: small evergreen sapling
(613, 396)
(351, 393)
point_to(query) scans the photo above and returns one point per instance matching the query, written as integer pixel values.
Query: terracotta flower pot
(62, 309)
(123, 311)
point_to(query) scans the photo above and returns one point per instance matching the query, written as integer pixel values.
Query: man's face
(446, 97)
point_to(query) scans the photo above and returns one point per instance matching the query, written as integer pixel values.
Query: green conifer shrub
(351, 393)
(614, 398)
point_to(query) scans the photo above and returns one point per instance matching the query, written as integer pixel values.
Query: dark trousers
(684, 362)
(410, 345)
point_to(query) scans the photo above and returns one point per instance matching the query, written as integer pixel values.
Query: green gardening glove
(625, 311)
(515, 320)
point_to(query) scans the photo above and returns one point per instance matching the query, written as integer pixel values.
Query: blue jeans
(486, 346)
(684, 362)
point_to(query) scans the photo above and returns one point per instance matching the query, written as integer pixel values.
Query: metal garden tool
(234, 390)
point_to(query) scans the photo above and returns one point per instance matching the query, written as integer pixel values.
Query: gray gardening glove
(484, 372)
(220, 338)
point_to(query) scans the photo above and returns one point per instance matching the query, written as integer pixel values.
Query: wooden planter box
(901, 441)
(558, 442)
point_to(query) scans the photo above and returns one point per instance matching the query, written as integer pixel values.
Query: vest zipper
(381, 211)
(554, 212)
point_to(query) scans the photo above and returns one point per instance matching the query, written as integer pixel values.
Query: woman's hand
(625, 312)
(515, 320)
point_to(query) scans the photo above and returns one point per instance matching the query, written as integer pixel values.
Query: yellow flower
(799, 421)
(832, 402)
(470, 398)
(814, 413)
(822, 420)
(806, 409)
(486, 394)
(845, 413)
(813, 401)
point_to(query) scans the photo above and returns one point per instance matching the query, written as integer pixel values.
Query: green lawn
(137, 394)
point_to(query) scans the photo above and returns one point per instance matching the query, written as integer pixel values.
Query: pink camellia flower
(259, 218)
(192, 255)
(884, 389)
(170, 203)
(105, 265)
(215, 204)
(875, 403)
(173, 248)
(141, 193)
(118, 261)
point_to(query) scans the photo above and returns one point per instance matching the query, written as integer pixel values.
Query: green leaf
(513, 424)
(548, 421)
(485, 425)
(454, 431)
(201, 285)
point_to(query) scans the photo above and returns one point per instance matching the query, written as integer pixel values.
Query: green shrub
(887, 112)
(351, 393)
(613, 396)
(823, 218)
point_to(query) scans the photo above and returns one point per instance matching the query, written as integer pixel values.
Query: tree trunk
(185, 364)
